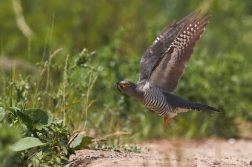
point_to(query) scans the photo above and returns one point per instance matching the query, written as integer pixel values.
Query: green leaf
(80, 142)
(26, 143)
(25, 118)
(2, 114)
(37, 116)
(37, 158)
(13, 110)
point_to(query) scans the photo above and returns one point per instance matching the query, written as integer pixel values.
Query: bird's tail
(185, 105)
(202, 107)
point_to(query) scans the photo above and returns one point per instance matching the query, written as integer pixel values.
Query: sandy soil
(183, 153)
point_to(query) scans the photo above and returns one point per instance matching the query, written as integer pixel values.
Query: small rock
(231, 141)
(216, 163)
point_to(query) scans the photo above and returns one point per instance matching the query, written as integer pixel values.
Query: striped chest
(156, 101)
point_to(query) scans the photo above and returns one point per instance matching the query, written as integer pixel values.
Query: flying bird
(162, 65)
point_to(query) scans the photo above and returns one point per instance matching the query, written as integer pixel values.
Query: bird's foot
(166, 121)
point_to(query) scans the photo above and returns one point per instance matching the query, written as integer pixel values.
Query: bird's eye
(127, 84)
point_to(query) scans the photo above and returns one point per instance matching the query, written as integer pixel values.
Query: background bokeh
(116, 33)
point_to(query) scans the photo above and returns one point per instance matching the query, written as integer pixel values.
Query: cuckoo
(162, 65)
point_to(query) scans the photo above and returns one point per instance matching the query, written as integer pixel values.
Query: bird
(162, 65)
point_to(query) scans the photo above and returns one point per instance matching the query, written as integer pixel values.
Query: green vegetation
(74, 86)
(124, 148)
(40, 138)
(45, 140)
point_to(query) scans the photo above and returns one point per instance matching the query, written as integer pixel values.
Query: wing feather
(170, 67)
(155, 52)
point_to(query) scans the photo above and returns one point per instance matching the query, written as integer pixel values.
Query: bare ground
(182, 153)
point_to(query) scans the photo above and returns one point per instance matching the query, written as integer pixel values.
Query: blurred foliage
(44, 140)
(218, 73)
(9, 135)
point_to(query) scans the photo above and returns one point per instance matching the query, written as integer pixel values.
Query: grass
(119, 148)
(29, 106)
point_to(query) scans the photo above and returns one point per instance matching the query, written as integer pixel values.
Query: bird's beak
(117, 85)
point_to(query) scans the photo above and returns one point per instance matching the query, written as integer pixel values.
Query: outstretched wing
(155, 52)
(170, 67)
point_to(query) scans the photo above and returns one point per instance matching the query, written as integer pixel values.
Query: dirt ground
(183, 153)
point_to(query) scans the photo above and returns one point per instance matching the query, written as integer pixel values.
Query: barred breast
(156, 101)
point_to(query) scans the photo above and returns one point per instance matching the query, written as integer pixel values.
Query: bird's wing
(155, 52)
(170, 67)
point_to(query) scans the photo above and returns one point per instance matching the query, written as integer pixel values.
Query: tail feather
(203, 107)
(183, 105)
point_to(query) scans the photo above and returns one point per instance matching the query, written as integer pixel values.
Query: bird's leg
(166, 121)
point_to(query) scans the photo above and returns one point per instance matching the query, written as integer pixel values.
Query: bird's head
(128, 87)
(125, 86)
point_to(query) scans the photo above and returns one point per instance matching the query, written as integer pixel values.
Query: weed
(43, 140)
(120, 148)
